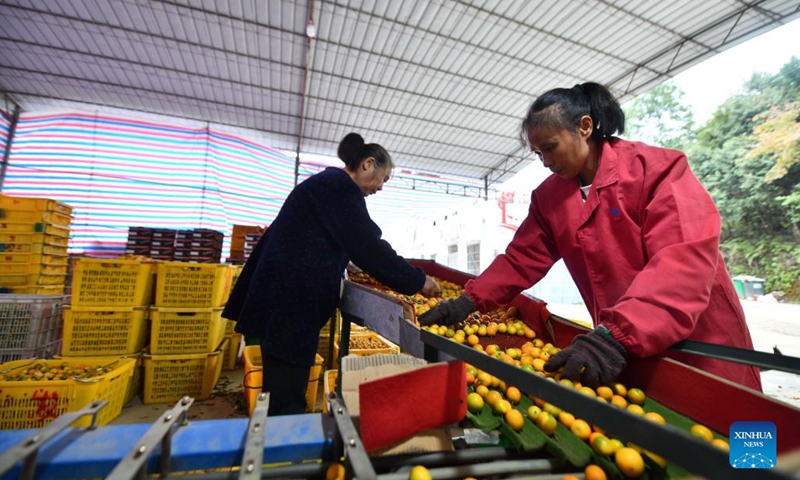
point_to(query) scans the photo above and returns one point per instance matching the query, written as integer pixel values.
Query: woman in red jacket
(638, 233)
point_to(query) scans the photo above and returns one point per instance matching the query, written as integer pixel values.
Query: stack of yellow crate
(107, 320)
(187, 339)
(34, 233)
(231, 354)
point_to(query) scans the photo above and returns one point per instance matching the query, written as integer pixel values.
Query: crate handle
(87, 380)
(105, 366)
(244, 380)
(18, 366)
(111, 265)
(186, 314)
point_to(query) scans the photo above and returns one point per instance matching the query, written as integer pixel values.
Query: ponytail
(353, 151)
(564, 108)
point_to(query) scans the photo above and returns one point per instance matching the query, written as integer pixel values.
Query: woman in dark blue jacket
(290, 285)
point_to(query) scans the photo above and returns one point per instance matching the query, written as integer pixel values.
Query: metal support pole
(12, 129)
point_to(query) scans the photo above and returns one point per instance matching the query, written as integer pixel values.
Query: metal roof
(441, 84)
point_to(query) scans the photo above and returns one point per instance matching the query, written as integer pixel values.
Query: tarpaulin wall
(118, 172)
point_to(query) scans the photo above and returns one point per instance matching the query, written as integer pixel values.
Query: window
(452, 256)
(474, 258)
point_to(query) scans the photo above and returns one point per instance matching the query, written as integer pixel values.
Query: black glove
(448, 312)
(595, 358)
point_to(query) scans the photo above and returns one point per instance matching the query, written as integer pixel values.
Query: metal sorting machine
(312, 442)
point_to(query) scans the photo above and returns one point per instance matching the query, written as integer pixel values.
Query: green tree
(748, 157)
(660, 117)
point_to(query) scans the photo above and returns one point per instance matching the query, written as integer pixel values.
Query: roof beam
(246, 107)
(306, 86)
(251, 57)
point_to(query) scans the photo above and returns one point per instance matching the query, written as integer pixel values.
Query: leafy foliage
(748, 157)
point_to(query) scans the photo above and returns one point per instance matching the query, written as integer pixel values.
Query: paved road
(771, 325)
(776, 325)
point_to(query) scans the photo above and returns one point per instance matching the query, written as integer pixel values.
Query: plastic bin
(100, 282)
(10, 280)
(329, 385)
(231, 353)
(387, 346)
(31, 239)
(29, 321)
(230, 325)
(35, 216)
(8, 204)
(34, 404)
(134, 386)
(168, 378)
(749, 287)
(95, 331)
(37, 258)
(13, 228)
(193, 285)
(46, 350)
(185, 330)
(253, 378)
(34, 289)
(28, 269)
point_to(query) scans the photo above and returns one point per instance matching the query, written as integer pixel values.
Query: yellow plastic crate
(29, 241)
(389, 347)
(32, 203)
(329, 387)
(32, 269)
(135, 384)
(185, 330)
(35, 216)
(230, 326)
(21, 279)
(168, 378)
(194, 285)
(34, 258)
(36, 289)
(34, 404)
(111, 283)
(231, 352)
(11, 228)
(95, 331)
(253, 378)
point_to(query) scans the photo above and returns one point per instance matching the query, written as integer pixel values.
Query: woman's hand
(595, 358)
(431, 288)
(448, 312)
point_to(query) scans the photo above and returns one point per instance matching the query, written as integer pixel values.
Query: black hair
(352, 151)
(564, 108)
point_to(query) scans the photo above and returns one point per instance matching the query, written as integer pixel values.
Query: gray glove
(448, 312)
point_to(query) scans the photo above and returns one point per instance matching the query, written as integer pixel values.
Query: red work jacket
(643, 250)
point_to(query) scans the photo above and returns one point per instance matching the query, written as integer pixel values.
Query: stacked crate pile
(155, 243)
(34, 233)
(139, 241)
(237, 256)
(251, 239)
(108, 321)
(163, 245)
(30, 326)
(199, 245)
(188, 345)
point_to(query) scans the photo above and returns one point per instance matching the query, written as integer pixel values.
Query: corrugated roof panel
(427, 74)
